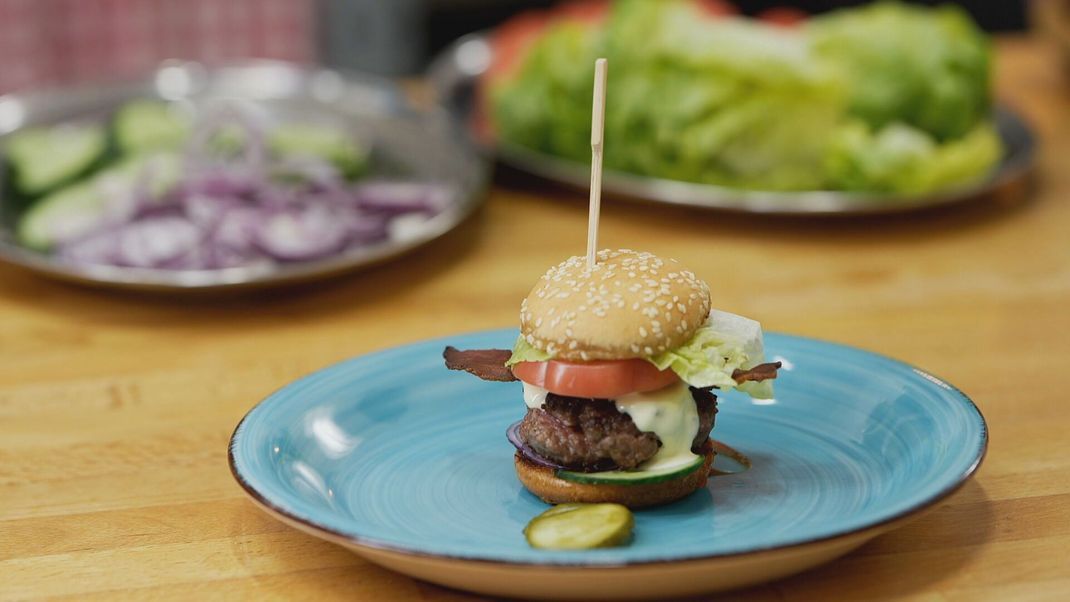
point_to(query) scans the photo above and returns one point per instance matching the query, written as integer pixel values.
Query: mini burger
(620, 363)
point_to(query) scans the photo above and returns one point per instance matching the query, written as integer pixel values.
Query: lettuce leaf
(927, 67)
(902, 159)
(726, 342)
(691, 97)
(524, 352)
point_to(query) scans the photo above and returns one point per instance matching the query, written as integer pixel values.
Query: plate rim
(338, 536)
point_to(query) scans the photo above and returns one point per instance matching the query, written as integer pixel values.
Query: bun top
(631, 304)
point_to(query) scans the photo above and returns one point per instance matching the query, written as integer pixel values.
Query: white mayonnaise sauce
(534, 396)
(669, 413)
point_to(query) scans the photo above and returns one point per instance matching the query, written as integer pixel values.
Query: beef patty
(591, 434)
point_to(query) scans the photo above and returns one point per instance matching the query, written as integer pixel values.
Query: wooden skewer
(598, 118)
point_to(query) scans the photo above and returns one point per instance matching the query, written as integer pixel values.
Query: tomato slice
(716, 8)
(607, 379)
(783, 16)
(585, 11)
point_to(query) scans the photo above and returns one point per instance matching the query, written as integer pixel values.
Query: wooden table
(115, 411)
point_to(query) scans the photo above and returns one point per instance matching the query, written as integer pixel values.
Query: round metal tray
(455, 72)
(406, 143)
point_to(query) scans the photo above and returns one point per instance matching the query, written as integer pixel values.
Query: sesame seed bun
(542, 481)
(632, 304)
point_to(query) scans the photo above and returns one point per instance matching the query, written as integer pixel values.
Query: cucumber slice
(580, 527)
(307, 140)
(75, 210)
(46, 158)
(633, 477)
(146, 124)
(64, 214)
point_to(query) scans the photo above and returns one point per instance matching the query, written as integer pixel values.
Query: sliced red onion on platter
(308, 170)
(366, 229)
(302, 234)
(99, 248)
(154, 242)
(242, 208)
(400, 197)
(207, 211)
(233, 181)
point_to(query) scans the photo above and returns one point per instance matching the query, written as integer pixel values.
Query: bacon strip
(488, 364)
(757, 373)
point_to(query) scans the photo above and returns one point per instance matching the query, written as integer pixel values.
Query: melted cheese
(669, 413)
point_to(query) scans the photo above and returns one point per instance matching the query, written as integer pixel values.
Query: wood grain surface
(115, 411)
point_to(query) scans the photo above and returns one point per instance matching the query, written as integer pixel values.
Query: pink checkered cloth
(50, 42)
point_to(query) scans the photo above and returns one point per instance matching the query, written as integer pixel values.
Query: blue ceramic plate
(407, 463)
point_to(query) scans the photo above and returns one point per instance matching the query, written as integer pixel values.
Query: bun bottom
(542, 481)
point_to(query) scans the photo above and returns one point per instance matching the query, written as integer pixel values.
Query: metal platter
(455, 72)
(405, 143)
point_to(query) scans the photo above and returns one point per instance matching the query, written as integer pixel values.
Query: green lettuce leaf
(524, 352)
(690, 97)
(922, 66)
(903, 159)
(726, 342)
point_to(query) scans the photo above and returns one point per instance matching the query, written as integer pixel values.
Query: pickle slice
(558, 509)
(580, 527)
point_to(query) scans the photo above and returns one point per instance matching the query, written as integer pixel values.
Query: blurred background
(49, 42)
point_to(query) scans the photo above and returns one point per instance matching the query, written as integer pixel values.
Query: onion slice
(513, 434)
